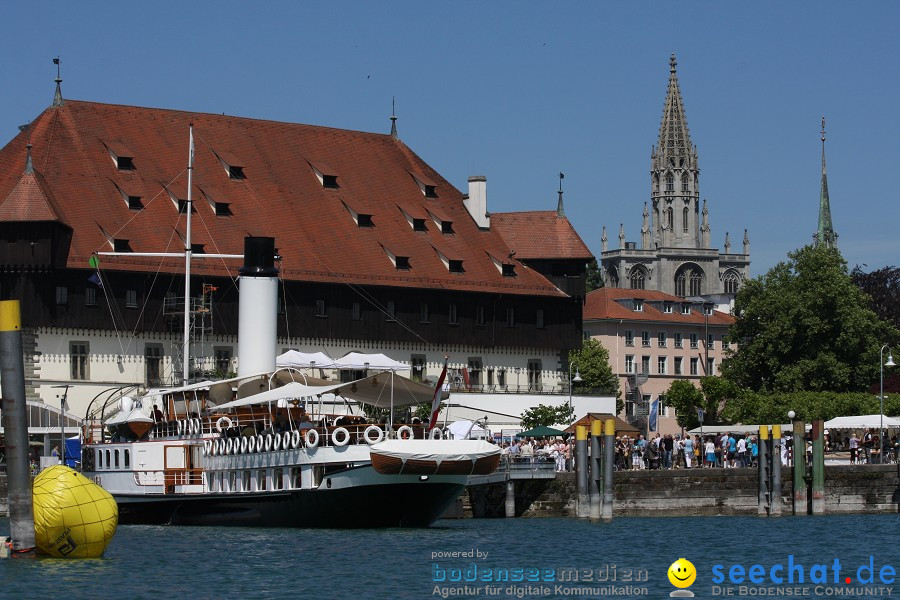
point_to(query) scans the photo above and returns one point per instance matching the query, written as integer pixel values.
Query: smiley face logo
(682, 573)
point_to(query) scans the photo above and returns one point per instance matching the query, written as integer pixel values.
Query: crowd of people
(724, 450)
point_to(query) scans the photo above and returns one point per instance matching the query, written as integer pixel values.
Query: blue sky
(519, 91)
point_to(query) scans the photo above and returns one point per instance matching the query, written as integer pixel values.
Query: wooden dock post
(775, 456)
(609, 458)
(15, 427)
(818, 467)
(799, 450)
(581, 472)
(765, 471)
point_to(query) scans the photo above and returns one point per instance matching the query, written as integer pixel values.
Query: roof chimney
(476, 202)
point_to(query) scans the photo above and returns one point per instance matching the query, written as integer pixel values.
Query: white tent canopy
(862, 422)
(376, 362)
(375, 390)
(304, 360)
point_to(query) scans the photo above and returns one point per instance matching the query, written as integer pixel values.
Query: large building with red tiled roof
(379, 252)
(654, 339)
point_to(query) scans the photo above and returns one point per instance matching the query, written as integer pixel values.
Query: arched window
(684, 219)
(670, 182)
(689, 281)
(612, 276)
(696, 283)
(684, 182)
(680, 278)
(731, 281)
(670, 217)
(638, 275)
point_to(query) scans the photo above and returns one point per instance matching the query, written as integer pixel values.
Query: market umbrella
(541, 432)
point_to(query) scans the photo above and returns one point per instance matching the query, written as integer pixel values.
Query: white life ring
(295, 439)
(312, 438)
(223, 423)
(197, 427)
(251, 444)
(340, 437)
(379, 434)
(268, 442)
(207, 447)
(408, 429)
(276, 444)
(229, 446)
(223, 447)
(178, 426)
(436, 434)
(186, 427)
(244, 445)
(215, 447)
(260, 443)
(286, 440)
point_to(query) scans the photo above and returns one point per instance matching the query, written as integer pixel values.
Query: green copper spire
(825, 235)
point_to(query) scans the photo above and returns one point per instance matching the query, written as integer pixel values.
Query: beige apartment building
(653, 339)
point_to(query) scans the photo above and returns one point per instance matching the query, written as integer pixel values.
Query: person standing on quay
(688, 451)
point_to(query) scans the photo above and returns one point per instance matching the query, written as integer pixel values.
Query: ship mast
(188, 256)
(187, 268)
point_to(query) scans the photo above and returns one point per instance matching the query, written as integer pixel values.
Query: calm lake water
(204, 562)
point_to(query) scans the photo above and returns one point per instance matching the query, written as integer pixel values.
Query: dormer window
(360, 213)
(419, 225)
(120, 245)
(667, 307)
(221, 209)
(455, 266)
(121, 156)
(231, 164)
(180, 203)
(236, 173)
(133, 202)
(326, 175)
(198, 249)
(447, 227)
(509, 270)
(428, 187)
(638, 305)
(402, 263)
(685, 309)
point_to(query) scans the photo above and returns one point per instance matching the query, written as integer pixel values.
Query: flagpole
(187, 268)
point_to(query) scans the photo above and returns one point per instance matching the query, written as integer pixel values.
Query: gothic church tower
(676, 254)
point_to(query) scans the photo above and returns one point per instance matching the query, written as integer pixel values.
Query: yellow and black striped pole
(15, 427)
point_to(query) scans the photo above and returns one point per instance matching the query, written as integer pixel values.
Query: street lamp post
(889, 363)
(576, 379)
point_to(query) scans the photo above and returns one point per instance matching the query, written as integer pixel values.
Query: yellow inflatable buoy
(73, 516)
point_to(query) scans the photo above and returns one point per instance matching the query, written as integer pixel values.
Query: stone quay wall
(692, 492)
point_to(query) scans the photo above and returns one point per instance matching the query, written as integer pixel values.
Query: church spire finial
(672, 63)
(57, 97)
(29, 165)
(825, 234)
(393, 119)
(560, 211)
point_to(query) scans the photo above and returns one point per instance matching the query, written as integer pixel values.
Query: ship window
(127, 458)
(116, 457)
(261, 480)
(245, 481)
(99, 459)
(278, 479)
(107, 459)
(295, 478)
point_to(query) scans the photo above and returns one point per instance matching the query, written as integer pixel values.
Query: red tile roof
(280, 197)
(30, 200)
(601, 305)
(540, 234)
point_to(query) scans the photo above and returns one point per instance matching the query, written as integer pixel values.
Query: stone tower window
(684, 182)
(684, 219)
(670, 182)
(638, 276)
(670, 217)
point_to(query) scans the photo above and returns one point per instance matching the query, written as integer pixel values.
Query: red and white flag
(436, 401)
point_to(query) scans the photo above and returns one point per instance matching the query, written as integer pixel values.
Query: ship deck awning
(375, 390)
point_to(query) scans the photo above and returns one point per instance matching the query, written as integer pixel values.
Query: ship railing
(168, 477)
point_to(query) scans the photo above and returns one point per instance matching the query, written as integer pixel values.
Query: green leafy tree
(597, 377)
(685, 399)
(712, 397)
(883, 287)
(805, 326)
(594, 276)
(770, 408)
(547, 415)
